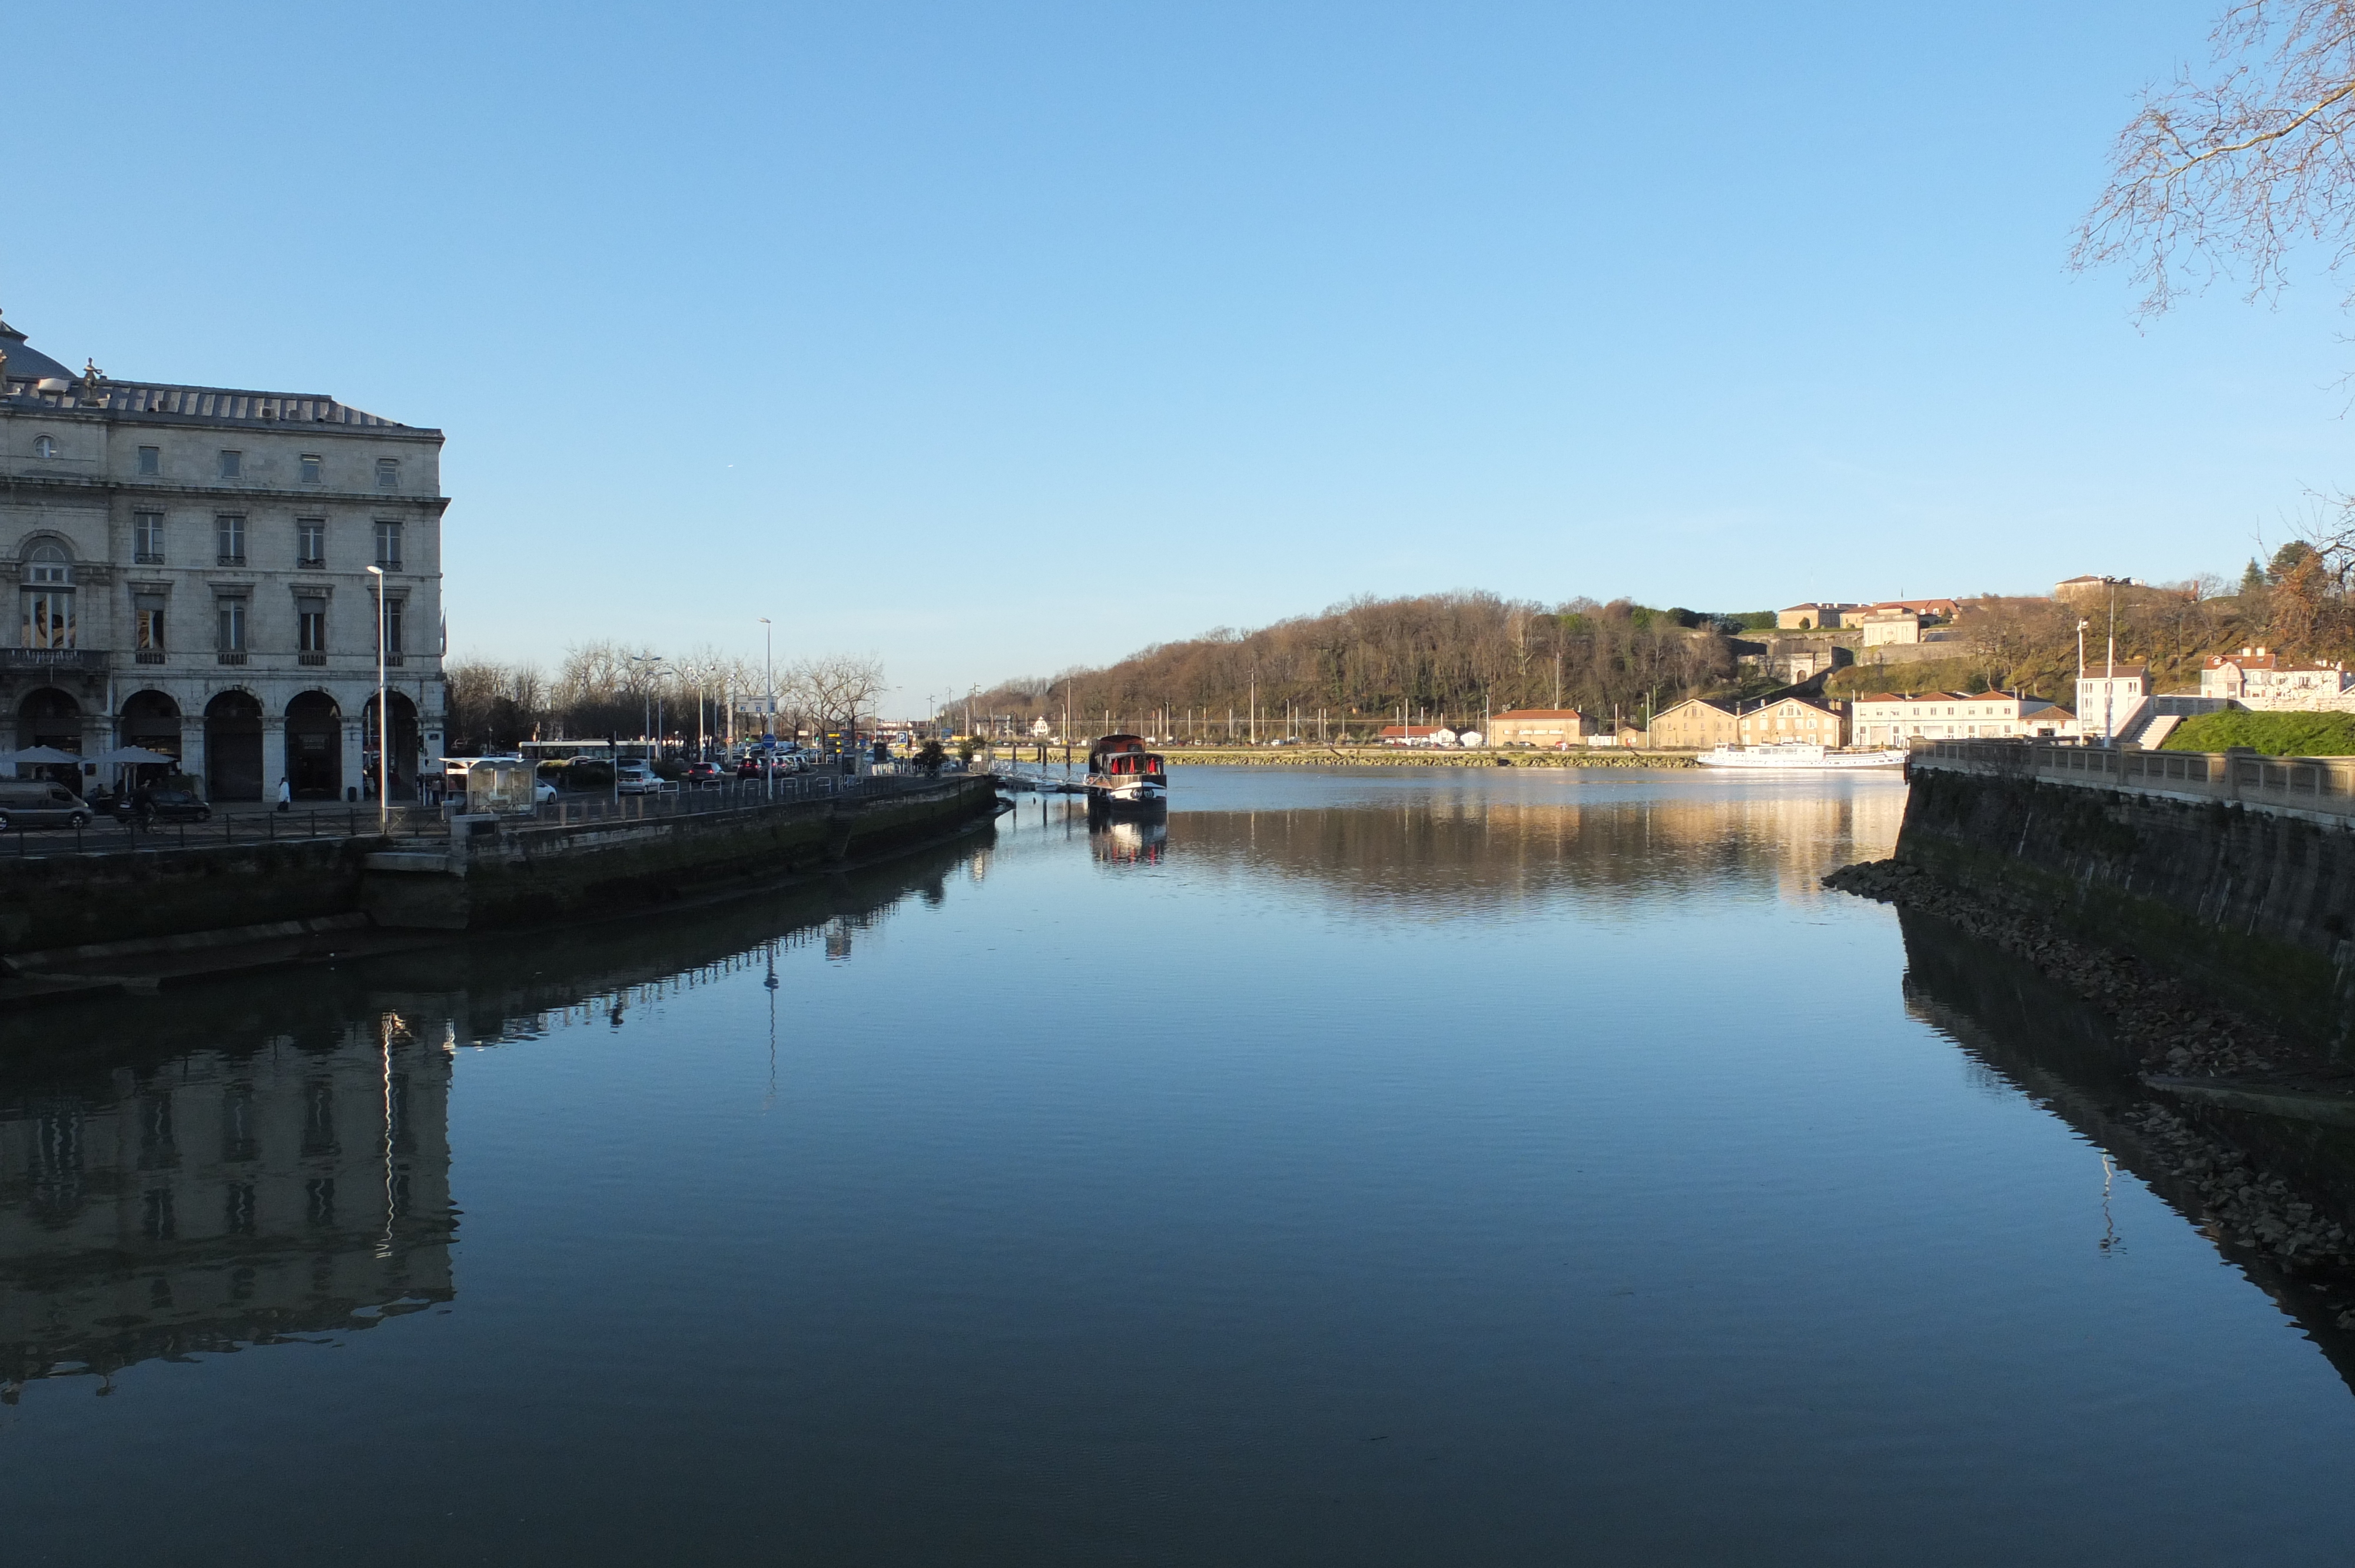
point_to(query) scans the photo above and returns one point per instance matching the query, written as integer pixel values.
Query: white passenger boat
(1124, 776)
(1798, 757)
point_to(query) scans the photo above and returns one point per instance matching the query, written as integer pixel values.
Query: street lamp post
(383, 722)
(769, 672)
(646, 698)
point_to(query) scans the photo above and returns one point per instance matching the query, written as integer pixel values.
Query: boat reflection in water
(215, 1198)
(1129, 842)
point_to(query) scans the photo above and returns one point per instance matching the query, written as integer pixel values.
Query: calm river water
(1405, 1167)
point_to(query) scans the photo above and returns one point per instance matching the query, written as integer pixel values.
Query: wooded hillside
(1434, 659)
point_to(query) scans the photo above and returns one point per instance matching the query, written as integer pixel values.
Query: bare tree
(835, 688)
(2225, 173)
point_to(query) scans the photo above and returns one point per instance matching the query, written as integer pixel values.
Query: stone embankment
(2266, 1187)
(136, 919)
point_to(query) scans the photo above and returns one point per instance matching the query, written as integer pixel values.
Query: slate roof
(32, 380)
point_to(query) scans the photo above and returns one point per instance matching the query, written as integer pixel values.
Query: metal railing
(52, 658)
(728, 795)
(405, 823)
(105, 835)
(2324, 785)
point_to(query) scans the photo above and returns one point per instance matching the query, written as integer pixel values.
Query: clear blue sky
(994, 337)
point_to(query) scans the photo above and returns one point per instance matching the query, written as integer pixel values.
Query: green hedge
(2275, 735)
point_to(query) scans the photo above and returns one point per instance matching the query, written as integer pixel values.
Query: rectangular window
(392, 628)
(310, 541)
(151, 461)
(48, 618)
(228, 529)
(147, 622)
(232, 465)
(311, 622)
(308, 465)
(232, 625)
(387, 545)
(388, 474)
(147, 538)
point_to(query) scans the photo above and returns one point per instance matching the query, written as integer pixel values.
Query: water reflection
(2024, 1033)
(1495, 839)
(1122, 843)
(213, 1199)
(271, 1158)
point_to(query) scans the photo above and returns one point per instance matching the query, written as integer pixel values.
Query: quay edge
(2246, 901)
(511, 878)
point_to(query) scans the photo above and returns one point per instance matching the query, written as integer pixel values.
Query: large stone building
(1792, 719)
(1693, 725)
(193, 576)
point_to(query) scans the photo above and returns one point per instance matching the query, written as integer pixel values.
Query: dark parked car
(163, 805)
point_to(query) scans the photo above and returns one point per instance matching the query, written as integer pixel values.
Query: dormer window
(45, 447)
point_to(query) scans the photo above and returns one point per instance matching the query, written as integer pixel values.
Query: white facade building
(192, 570)
(2111, 698)
(2260, 680)
(1884, 719)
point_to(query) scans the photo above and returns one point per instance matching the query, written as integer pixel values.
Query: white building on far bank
(1886, 719)
(2258, 679)
(2111, 698)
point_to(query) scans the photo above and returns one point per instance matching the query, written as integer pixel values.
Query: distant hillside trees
(1435, 657)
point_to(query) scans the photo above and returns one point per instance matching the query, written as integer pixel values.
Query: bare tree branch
(2226, 176)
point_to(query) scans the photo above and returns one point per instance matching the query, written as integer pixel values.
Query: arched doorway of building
(151, 721)
(233, 747)
(314, 748)
(403, 714)
(48, 717)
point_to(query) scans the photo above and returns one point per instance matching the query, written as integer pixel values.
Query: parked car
(38, 803)
(163, 804)
(636, 779)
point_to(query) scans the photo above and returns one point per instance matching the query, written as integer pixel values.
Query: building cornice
(346, 500)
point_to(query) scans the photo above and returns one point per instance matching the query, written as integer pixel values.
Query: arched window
(47, 597)
(47, 562)
(44, 447)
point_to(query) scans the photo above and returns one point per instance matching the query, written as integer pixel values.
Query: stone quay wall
(75, 901)
(526, 874)
(2247, 900)
(514, 876)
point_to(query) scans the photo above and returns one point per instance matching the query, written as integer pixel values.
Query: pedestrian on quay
(285, 795)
